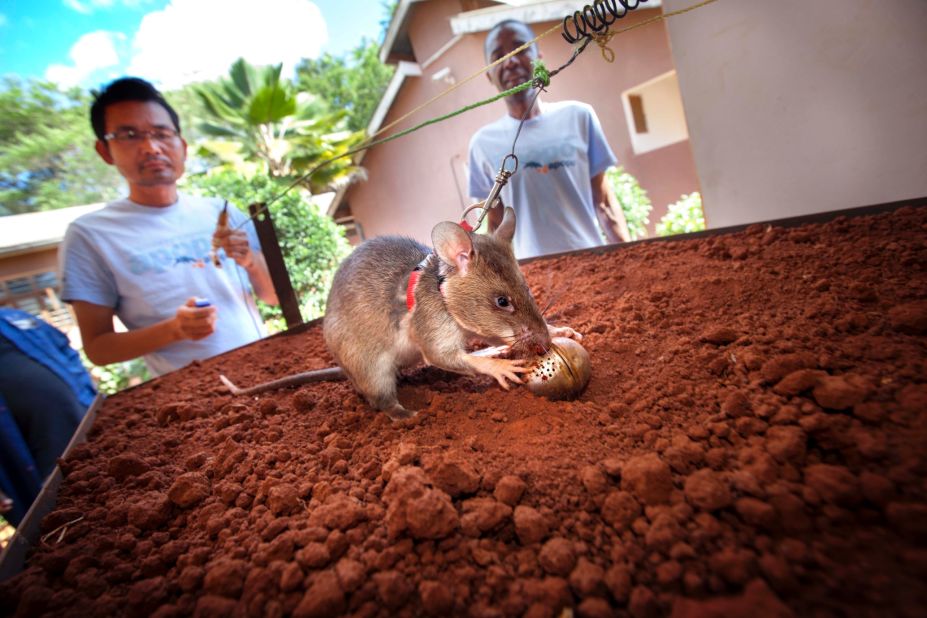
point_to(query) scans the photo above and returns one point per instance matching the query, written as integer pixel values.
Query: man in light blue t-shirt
(147, 258)
(560, 194)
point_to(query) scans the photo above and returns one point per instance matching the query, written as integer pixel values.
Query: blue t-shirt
(558, 152)
(145, 262)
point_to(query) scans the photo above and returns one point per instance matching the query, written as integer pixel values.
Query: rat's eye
(503, 302)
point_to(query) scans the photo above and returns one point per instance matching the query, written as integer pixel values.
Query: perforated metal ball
(563, 372)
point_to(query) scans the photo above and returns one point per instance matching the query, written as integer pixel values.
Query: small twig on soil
(63, 528)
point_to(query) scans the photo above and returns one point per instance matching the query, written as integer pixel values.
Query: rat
(469, 287)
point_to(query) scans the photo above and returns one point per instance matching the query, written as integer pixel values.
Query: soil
(752, 443)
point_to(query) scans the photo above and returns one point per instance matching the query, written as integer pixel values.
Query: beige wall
(42, 260)
(420, 179)
(797, 107)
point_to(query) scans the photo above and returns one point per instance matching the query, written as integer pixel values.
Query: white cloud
(192, 40)
(92, 52)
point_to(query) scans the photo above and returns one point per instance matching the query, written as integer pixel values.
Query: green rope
(541, 79)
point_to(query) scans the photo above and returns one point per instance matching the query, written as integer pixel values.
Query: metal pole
(267, 234)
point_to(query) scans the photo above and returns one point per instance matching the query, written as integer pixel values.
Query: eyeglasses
(131, 136)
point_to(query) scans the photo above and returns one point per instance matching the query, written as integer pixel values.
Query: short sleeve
(480, 178)
(601, 156)
(84, 274)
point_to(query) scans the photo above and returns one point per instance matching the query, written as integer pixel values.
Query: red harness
(410, 291)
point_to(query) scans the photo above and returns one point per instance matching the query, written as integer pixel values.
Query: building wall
(42, 260)
(420, 179)
(797, 107)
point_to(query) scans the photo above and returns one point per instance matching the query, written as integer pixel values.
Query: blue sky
(172, 42)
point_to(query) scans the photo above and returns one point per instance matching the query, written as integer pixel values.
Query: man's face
(146, 161)
(517, 69)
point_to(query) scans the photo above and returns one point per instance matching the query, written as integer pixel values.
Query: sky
(172, 42)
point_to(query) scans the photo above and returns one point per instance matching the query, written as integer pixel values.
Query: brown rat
(469, 287)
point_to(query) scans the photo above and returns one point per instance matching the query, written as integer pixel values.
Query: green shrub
(113, 378)
(633, 199)
(312, 244)
(683, 216)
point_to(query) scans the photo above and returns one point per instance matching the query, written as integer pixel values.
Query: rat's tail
(306, 377)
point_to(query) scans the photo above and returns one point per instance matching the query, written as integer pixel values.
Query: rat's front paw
(564, 331)
(502, 369)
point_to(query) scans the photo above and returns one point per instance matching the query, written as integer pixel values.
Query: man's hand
(192, 322)
(235, 243)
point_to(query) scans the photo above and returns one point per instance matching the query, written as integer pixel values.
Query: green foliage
(633, 199)
(115, 377)
(312, 243)
(47, 156)
(354, 84)
(389, 9)
(683, 216)
(261, 124)
(189, 107)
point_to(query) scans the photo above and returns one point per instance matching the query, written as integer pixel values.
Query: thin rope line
(603, 39)
(514, 52)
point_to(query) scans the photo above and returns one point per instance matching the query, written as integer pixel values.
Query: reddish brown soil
(752, 443)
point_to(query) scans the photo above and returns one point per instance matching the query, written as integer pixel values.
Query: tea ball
(563, 372)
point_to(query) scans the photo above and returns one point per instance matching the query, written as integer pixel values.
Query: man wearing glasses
(146, 258)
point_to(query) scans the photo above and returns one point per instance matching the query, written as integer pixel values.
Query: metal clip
(502, 177)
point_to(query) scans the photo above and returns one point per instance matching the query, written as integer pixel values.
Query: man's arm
(237, 247)
(608, 210)
(104, 346)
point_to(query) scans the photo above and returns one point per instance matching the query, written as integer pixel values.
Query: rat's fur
(372, 335)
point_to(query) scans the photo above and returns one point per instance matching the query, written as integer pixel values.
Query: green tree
(312, 243)
(355, 84)
(47, 156)
(633, 199)
(683, 216)
(262, 125)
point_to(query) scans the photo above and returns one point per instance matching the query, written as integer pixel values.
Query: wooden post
(267, 234)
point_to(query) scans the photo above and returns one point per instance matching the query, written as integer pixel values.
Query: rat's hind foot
(398, 413)
(564, 331)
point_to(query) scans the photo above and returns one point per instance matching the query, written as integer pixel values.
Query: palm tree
(261, 124)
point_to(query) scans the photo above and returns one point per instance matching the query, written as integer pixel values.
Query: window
(653, 111)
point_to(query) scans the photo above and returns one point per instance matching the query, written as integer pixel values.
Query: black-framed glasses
(132, 136)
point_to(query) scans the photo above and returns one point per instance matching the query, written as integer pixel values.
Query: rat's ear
(506, 229)
(452, 244)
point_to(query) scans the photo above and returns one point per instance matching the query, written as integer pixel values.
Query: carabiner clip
(502, 177)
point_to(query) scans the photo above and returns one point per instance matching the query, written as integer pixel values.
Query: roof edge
(481, 20)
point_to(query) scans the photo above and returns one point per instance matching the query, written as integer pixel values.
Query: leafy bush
(312, 243)
(633, 199)
(683, 216)
(113, 378)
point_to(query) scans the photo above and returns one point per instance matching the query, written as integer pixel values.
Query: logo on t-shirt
(550, 157)
(195, 262)
(190, 252)
(545, 168)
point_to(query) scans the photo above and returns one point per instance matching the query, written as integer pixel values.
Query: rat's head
(485, 291)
